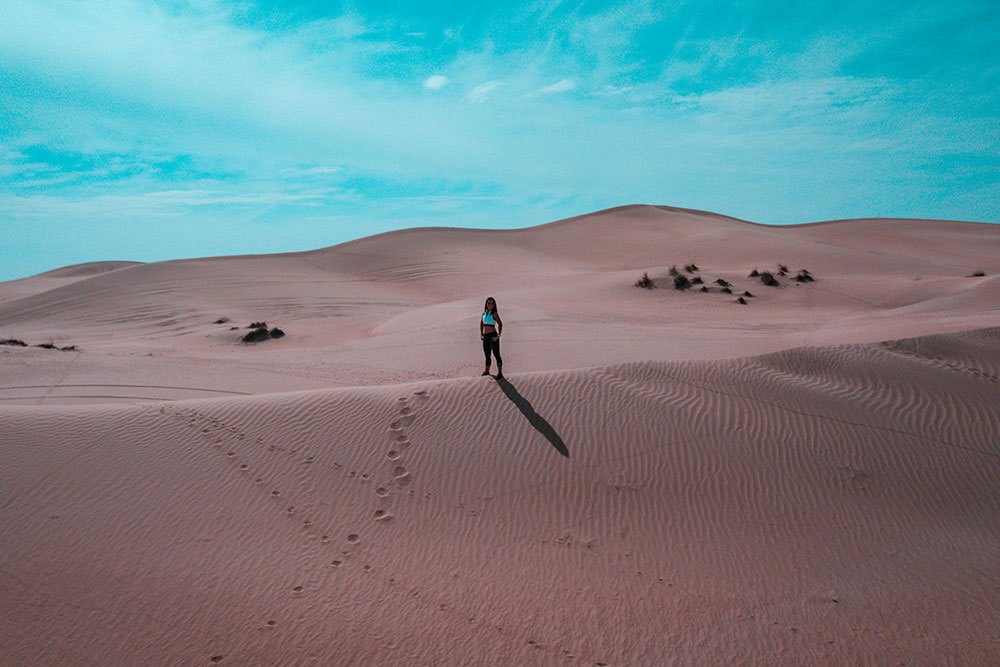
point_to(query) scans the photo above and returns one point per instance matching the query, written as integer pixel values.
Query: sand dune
(665, 478)
(401, 306)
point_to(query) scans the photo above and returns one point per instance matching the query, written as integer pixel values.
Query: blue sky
(154, 130)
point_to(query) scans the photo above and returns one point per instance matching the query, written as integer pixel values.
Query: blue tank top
(488, 319)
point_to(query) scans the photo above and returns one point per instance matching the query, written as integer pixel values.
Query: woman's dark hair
(495, 311)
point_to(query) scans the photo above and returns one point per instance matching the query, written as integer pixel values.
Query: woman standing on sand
(490, 326)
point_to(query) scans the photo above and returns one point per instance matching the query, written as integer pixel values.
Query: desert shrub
(691, 268)
(697, 280)
(754, 274)
(976, 274)
(726, 290)
(644, 282)
(47, 346)
(747, 293)
(722, 282)
(221, 320)
(741, 300)
(257, 325)
(782, 270)
(69, 348)
(768, 279)
(803, 276)
(681, 282)
(674, 272)
(255, 336)
(704, 289)
(13, 341)
(276, 333)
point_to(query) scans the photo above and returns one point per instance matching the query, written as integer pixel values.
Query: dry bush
(644, 282)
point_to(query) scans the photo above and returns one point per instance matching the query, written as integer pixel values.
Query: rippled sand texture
(833, 504)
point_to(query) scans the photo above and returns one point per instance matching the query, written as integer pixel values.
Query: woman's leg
(496, 353)
(486, 351)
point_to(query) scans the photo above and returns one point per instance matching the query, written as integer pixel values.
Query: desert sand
(665, 477)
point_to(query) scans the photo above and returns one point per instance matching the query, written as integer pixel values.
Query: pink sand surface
(665, 476)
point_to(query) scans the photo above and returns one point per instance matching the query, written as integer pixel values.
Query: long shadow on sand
(533, 417)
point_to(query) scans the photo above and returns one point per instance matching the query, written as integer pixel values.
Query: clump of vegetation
(696, 280)
(747, 294)
(644, 282)
(976, 274)
(768, 279)
(753, 274)
(722, 282)
(16, 342)
(741, 300)
(726, 290)
(674, 272)
(681, 282)
(782, 270)
(221, 320)
(259, 332)
(691, 268)
(256, 336)
(803, 276)
(704, 289)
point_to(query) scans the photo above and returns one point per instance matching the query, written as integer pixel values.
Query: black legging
(491, 341)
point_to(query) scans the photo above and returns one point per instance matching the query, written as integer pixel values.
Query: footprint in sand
(393, 455)
(336, 563)
(406, 411)
(381, 492)
(243, 466)
(297, 589)
(382, 515)
(271, 624)
(215, 658)
(276, 493)
(402, 475)
(353, 539)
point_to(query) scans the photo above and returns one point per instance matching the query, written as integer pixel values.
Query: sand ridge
(433, 522)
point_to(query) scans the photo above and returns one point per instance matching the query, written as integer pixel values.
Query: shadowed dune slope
(833, 505)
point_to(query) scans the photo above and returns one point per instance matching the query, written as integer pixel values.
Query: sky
(160, 129)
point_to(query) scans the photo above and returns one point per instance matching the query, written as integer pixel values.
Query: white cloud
(481, 92)
(435, 82)
(557, 87)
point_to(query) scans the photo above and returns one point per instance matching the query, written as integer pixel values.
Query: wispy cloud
(435, 82)
(562, 86)
(480, 92)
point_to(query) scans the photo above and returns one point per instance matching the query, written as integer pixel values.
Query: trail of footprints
(227, 440)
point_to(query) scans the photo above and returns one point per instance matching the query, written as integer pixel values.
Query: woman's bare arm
(499, 323)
